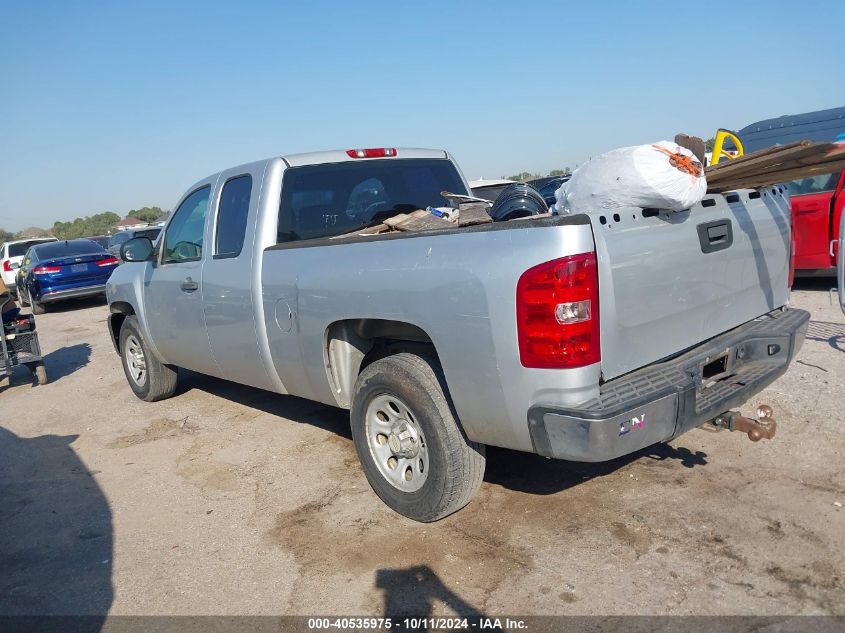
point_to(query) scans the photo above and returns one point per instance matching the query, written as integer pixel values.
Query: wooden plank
(797, 157)
(783, 175)
(816, 160)
(471, 213)
(753, 156)
(775, 158)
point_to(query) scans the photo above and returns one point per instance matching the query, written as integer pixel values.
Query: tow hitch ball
(762, 429)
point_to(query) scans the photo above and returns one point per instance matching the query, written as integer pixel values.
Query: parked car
(117, 240)
(489, 189)
(68, 269)
(817, 201)
(12, 253)
(570, 336)
(102, 240)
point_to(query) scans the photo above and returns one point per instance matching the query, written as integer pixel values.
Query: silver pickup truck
(578, 337)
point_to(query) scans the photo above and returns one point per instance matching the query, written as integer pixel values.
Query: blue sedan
(54, 271)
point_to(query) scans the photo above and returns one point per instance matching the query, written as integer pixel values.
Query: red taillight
(108, 261)
(557, 313)
(46, 270)
(7, 266)
(371, 152)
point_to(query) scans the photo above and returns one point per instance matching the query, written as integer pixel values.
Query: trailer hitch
(761, 429)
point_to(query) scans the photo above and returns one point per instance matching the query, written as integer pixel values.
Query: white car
(12, 253)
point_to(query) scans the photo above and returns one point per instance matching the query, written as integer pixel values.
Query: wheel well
(119, 311)
(353, 344)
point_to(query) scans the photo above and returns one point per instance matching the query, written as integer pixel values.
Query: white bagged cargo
(660, 175)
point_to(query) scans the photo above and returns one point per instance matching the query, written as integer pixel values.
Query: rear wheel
(149, 379)
(413, 452)
(24, 298)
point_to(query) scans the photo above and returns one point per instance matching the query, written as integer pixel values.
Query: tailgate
(670, 281)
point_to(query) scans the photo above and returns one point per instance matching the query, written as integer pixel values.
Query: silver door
(227, 279)
(173, 291)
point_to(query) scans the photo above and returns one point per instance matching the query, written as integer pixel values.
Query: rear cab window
(232, 213)
(822, 183)
(320, 201)
(20, 248)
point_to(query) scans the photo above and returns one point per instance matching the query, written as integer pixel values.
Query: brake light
(7, 266)
(46, 270)
(557, 313)
(108, 261)
(372, 152)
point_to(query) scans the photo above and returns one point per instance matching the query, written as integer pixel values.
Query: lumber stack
(775, 165)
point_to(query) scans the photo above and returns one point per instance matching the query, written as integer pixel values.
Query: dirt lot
(229, 500)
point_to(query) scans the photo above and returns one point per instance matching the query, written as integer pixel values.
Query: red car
(817, 201)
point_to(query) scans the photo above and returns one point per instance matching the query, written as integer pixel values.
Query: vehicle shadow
(823, 284)
(56, 537)
(70, 305)
(537, 475)
(292, 408)
(412, 591)
(825, 332)
(514, 470)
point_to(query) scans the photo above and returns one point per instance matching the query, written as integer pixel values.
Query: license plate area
(78, 268)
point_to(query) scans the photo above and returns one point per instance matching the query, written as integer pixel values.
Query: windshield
(326, 200)
(152, 234)
(118, 238)
(18, 250)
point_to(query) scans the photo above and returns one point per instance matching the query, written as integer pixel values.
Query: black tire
(38, 308)
(159, 381)
(455, 464)
(24, 302)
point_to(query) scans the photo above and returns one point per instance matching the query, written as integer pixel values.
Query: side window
(183, 240)
(813, 184)
(231, 216)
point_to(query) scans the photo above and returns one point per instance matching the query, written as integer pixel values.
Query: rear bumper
(71, 293)
(663, 400)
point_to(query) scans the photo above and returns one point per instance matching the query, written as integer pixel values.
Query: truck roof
(341, 155)
(821, 125)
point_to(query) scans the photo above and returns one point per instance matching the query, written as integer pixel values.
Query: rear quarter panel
(458, 287)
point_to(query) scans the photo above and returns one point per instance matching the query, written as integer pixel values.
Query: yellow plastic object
(719, 141)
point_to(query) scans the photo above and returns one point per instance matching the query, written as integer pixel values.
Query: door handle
(810, 208)
(189, 285)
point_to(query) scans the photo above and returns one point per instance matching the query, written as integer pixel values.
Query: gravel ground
(230, 500)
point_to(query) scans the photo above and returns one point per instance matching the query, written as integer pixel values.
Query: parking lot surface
(230, 500)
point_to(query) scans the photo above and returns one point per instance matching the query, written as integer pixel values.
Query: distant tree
(522, 177)
(560, 172)
(146, 214)
(6, 236)
(32, 231)
(97, 224)
(708, 144)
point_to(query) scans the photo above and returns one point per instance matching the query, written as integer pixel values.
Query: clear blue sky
(113, 106)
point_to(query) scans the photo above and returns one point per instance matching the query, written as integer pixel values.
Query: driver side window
(183, 240)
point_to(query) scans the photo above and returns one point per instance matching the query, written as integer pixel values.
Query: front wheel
(149, 379)
(411, 447)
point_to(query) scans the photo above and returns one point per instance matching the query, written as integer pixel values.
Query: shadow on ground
(71, 305)
(831, 333)
(56, 536)
(413, 591)
(514, 470)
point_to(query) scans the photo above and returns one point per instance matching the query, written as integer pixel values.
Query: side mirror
(138, 249)
(14, 265)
